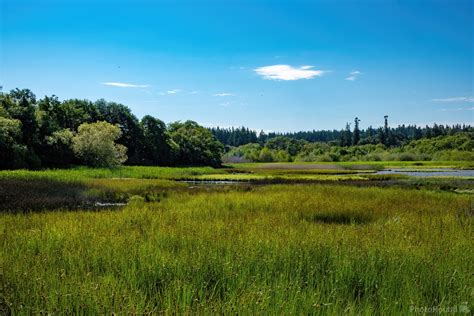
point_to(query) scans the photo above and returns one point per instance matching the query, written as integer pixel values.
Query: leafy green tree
(291, 146)
(12, 152)
(23, 108)
(265, 155)
(247, 152)
(282, 156)
(59, 152)
(46, 116)
(196, 144)
(21, 105)
(132, 134)
(54, 148)
(157, 142)
(95, 145)
(74, 112)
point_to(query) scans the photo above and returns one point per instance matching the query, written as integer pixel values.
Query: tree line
(459, 146)
(386, 135)
(49, 133)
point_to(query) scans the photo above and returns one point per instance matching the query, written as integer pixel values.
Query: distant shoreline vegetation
(48, 133)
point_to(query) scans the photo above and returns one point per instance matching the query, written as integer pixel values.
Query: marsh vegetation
(338, 246)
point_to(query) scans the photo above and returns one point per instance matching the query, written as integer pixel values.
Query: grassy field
(274, 249)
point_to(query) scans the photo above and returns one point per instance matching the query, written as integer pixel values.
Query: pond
(445, 172)
(211, 182)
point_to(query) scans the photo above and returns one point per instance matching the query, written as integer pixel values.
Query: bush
(407, 157)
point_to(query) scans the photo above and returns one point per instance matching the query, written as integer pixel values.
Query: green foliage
(132, 134)
(95, 145)
(244, 153)
(291, 146)
(452, 147)
(460, 142)
(195, 144)
(12, 153)
(356, 138)
(265, 155)
(158, 144)
(57, 149)
(346, 136)
(46, 125)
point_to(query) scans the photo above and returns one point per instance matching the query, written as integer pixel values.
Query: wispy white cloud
(125, 85)
(458, 109)
(455, 99)
(194, 92)
(287, 73)
(173, 91)
(223, 94)
(353, 75)
(226, 104)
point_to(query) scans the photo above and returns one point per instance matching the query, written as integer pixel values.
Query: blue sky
(271, 65)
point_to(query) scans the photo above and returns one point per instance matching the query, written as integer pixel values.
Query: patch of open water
(445, 172)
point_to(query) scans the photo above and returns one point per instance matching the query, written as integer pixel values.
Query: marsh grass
(41, 194)
(281, 249)
(136, 172)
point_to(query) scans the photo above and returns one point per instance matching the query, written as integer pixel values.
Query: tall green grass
(138, 172)
(300, 249)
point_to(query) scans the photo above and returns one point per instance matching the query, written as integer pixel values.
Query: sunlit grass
(137, 172)
(283, 249)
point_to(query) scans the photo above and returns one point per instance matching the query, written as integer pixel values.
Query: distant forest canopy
(345, 137)
(437, 142)
(49, 133)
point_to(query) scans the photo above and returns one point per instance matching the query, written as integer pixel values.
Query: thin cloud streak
(458, 109)
(223, 94)
(171, 92)
(288, 73)
(455, 99)
(125, 85)
(353, 75)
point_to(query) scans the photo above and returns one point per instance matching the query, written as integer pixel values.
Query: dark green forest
(45, 133)
(385, 135)
(40, 133)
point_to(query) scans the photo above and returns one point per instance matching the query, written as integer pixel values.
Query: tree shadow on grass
(25, 195)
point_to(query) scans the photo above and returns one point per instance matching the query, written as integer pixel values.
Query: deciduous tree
(95, 145)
